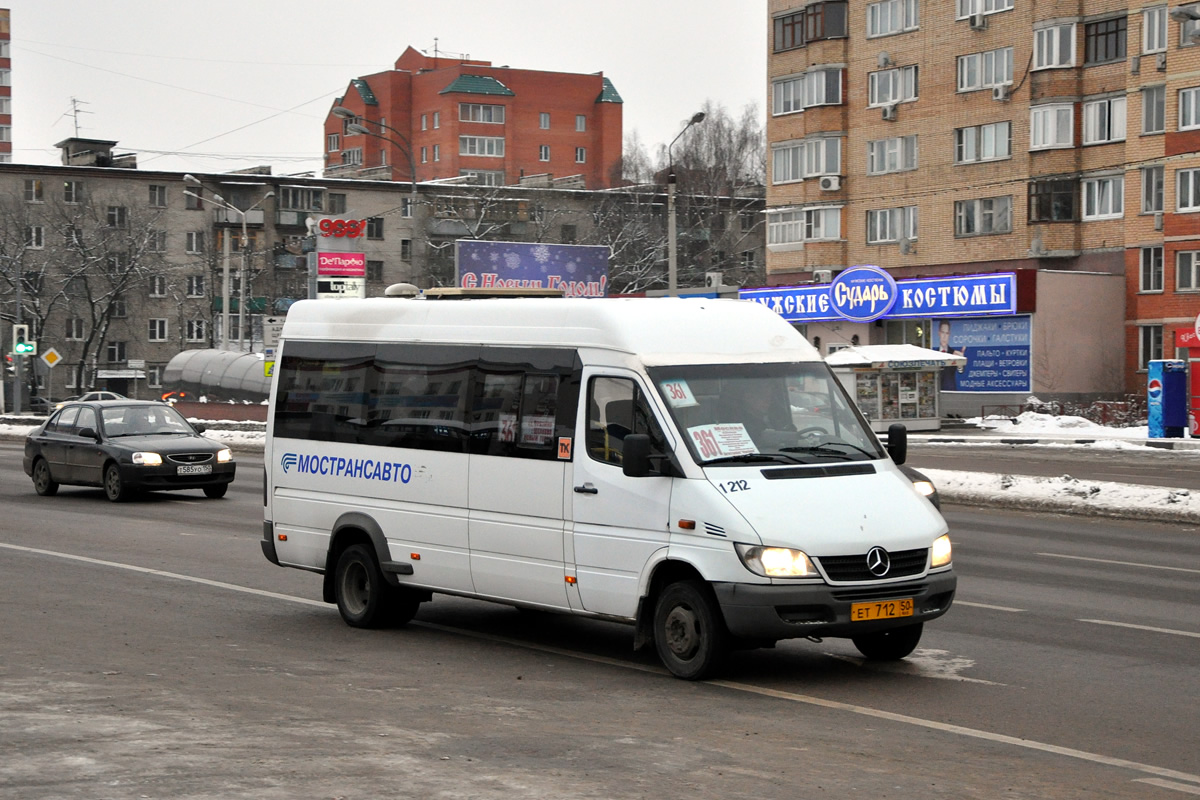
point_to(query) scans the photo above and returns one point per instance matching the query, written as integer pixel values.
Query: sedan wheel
(216, 491)
(43, 484)
(114, 487)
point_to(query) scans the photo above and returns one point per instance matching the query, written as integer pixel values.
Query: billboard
(997, 351)
(578, 270)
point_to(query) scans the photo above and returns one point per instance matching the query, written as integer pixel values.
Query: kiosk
(895, 383)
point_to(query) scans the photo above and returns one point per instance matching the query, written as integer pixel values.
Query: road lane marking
(1142, 627)
(985, 605)
(1179, 787)
(1121, 563)
(834, 705)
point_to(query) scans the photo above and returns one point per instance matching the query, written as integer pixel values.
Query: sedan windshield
(757, 414)
(143, 421)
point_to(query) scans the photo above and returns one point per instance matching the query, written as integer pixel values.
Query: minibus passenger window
(616, 408)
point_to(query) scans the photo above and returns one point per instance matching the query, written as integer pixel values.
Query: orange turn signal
(283, 537)
(571, 579)
(687, 524)
(414, 556)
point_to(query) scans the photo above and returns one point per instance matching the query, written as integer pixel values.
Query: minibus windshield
(755, 414)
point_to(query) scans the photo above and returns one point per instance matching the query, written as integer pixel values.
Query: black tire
(689, 633)
(216, 491)
(114, 486)
(890, 645)
(364, 598)
(43, 484)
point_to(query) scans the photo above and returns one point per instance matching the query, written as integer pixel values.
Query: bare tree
(632, 223)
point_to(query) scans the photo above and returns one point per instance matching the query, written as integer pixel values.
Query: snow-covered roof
(892, 356)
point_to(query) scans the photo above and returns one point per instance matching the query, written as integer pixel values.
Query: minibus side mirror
(897, 443)
(635, 460)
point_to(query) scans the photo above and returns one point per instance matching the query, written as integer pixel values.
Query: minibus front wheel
(890, 645)
(689, 632)
(364, 598)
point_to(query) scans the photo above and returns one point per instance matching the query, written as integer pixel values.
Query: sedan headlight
(941, 555)
(224, 455)
(147, 459)
(776, 562)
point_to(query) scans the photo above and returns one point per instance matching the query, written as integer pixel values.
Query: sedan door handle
(587, 488)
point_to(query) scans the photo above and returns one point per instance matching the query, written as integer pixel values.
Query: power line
(201, 60)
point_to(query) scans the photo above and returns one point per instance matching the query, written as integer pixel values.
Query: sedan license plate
(884, 609)
(194, 469)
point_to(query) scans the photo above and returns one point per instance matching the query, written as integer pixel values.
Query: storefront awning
(893, 356)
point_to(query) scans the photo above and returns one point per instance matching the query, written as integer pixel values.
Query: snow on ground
(1031, 423)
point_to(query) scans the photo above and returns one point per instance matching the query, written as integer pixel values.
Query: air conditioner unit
(1135, 65)
(906, 247)
(1000, 92)
(1037, 247)
(1160, 62)
(884, 60)
(889, 112)
(1158, 220)
(830, 183)
(978, 22)
(713, 280)
(823, 275)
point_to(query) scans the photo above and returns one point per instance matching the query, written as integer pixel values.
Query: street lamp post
(221, 202)
(672, 256)
(404, 144)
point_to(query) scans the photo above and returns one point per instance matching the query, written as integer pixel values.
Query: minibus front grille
(878, 593)
(818, 471)
(904, 563)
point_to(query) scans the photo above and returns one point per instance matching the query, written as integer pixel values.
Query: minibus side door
(619, 522)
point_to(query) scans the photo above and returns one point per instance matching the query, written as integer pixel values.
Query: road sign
(272, 327)
(268, 369)
(341, 288)
(51, 357)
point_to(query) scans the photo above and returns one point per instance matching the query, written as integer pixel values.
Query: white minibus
(690, 467)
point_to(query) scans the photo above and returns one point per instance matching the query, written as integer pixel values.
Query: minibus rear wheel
(890, 645)
(689, 633)
(364, 598)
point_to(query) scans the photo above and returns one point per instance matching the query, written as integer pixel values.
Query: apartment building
(6, 137)
(939, 139)
(433, 117)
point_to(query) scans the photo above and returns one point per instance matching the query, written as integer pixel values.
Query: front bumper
(167, 477)
(781, 611)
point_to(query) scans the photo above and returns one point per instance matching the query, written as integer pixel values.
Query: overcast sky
(225, 84)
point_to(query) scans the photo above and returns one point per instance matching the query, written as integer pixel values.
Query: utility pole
(19, 360)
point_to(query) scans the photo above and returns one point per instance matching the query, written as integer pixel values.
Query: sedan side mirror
(897, 443)
(88, 433)
(199, 428)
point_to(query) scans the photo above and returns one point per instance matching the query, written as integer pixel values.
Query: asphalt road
(150, 651)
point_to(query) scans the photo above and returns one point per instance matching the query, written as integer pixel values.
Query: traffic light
(22, 346)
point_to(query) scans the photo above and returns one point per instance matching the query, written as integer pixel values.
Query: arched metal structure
(218, 375)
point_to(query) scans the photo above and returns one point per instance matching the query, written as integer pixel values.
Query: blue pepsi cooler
(1166, 395)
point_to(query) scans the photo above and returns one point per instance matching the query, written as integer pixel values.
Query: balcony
(293, 219)
(254, 217)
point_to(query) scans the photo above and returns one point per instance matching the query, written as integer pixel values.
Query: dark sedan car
(125, 446)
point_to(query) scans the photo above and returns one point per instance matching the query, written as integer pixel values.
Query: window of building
(72, 192)
(1154, 109)
(1187, 184)
(1150, 345)
(896, 154)
(967, 8)
(580, 123)
(1152, 189)
(158, 286)
(406, 249)
(353, 156)
(117, 308)
(195, 286)
(481, 112)
(114, 352)
(795, 161)
(191, 198)
(337, 203)
(5, 77)
(375, 271)
(892, 16)
(1187, 271)
(1051, 125)
(580, 155)
(1104, 198)
(1189, 27)
(74, 331)
(35, 237)
(816, 21)
(298, 198)
(983, 216)
(1154, 29)
(5, 133)
(424, 122)
(804, 225)
(437, 153)
(158, 330)
(154, 376)
(544, 120)
(375, 228)
(481, 146)
(1104, 40)
(118, 216)
(1189, 108)
(985, 70)
(158, 196)
(34, 191)
(889, 86)
(815, 88)
(406, 207)
(891, 224)
(5, 102)
(1054, 46)
(1104, 120)
(437, 120)
(983, 142)
(1151, 274)
(543, 152)
(424, 155)
(156, 241)
(197, 330)
(347, 122)
(333, 142)
(568, 234)
(484, 177)
(1052, 200)
(195, 242)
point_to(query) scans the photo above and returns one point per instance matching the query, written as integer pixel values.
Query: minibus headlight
(924, 487)
(776, 562)
(941, 555)
(147, 459)
(224, 455)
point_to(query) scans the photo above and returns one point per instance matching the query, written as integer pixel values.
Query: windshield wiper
(825, 448)
(751, 458)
